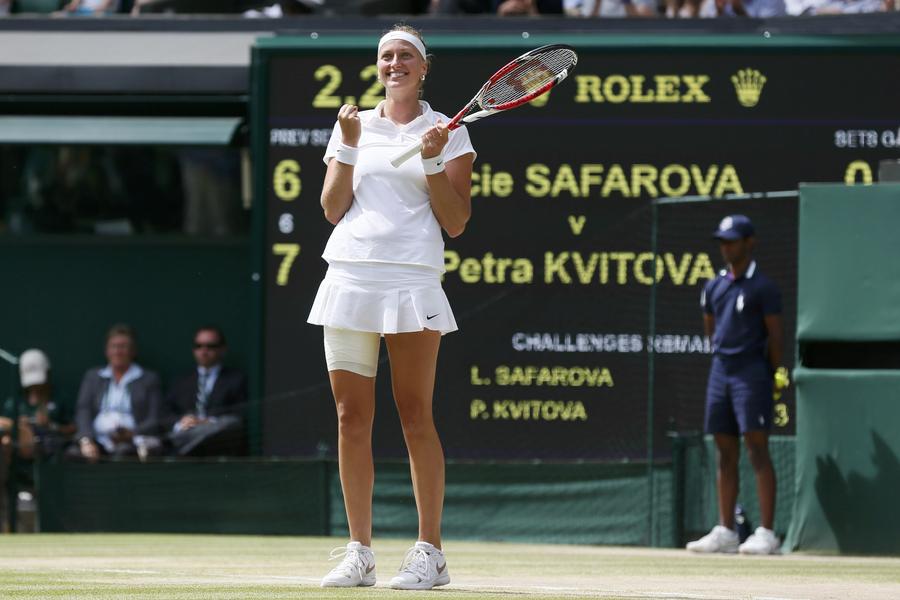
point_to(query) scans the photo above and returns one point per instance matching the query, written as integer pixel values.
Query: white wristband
(434, 165)
(347, 154)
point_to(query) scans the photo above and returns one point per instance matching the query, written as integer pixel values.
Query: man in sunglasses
(207, 406)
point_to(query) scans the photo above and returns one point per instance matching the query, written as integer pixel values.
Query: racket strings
(528, 77)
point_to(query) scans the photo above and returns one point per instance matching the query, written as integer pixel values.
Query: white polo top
(390, 219)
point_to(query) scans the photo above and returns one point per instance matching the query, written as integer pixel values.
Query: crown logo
(748, 83)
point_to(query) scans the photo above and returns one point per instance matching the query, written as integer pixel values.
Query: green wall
(237, 496)
(62, 294)
(585, 503)
(848, 275)
(848, 462)
(848, 408)
(569, 503)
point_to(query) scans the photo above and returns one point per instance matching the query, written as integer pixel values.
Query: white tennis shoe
(356, 569)
(720, 539)
(763, 541)
(423, 568)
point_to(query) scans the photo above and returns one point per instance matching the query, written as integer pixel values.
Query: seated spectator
(91, 7)
(610, 8)
(456, 7)
(757, 9)
(839, 7)
(683, 9)
(512, 8)
(119, 405)
(206, 407)
(43, 429)
(285, 8)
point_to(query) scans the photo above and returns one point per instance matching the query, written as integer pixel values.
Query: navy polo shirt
(739, 306)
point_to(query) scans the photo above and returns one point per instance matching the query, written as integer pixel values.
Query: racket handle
(406, 154)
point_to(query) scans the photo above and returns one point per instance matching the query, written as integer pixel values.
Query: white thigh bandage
(354, 351)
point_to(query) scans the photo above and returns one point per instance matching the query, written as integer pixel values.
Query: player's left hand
(434, 140)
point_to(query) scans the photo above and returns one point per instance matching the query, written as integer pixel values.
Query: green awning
(155, 131)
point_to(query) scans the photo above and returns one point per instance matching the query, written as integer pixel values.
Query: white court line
(537, 589)
(524, 589)
(126, 571)
(291, 578)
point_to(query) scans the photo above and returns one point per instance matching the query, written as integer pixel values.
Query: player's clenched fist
(434, 140)
(351, 128)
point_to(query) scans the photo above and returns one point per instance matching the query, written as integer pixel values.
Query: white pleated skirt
(382, 298)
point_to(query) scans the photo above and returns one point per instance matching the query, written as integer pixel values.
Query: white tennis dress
(386, 255)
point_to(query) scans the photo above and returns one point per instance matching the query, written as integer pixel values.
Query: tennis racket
(522, 80)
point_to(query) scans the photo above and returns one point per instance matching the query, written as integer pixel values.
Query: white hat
(33, 367)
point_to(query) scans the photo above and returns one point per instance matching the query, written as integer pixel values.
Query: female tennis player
(385, 260)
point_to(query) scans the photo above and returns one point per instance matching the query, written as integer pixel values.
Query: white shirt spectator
(609, 8)
(115, 408)
(837, 7)
(759, 9)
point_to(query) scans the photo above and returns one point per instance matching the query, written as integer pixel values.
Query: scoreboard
(570, 285)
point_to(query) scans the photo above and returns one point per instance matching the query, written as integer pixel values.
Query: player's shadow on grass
(862, 511)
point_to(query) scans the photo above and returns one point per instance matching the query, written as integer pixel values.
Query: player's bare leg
(354, 397)
(413, 364)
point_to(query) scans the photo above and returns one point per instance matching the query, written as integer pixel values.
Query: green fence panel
(588, 503)
(228, 496)
(848, 462)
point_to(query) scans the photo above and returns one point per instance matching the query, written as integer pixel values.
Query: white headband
(406, 37)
